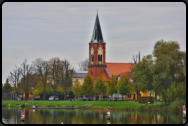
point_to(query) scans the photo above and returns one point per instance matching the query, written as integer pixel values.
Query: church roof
(97, 33)
(118, 68)
(79, 74)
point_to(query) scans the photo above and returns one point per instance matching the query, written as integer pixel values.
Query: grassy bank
(98, 105)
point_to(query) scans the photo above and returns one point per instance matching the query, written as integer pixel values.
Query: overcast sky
(46, 30)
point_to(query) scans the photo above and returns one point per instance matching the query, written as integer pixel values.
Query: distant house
(79, 75)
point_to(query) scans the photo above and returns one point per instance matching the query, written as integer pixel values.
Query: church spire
(97, 33)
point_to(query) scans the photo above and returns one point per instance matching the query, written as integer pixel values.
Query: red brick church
(98, 64)
(97, 57)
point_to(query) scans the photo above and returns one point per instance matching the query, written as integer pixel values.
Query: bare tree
(84, 65)
(26, 72)
(14, 79)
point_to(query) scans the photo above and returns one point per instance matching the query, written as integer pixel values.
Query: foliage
(176, 93)
(168, 66)
(112, 85)
(7, 87)
(76, 88)
(100, 86)
(87, 87)
(124, 85)
(141, 74)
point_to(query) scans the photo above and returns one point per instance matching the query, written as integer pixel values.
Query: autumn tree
(124, 85)
(66, 73)
(41, 69)
(99, 86)
(76, 88)
(87, 87)
(112, 85)
(26, 72)
(54, 73)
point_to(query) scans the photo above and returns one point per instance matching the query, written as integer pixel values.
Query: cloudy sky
(46, 30)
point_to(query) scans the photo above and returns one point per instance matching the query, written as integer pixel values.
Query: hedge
(145, 99)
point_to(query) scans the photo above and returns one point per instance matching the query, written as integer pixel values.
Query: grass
(100, 105)
(116, 104)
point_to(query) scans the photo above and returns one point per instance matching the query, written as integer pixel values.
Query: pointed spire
(97, 33)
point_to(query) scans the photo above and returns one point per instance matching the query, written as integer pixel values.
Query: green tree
(76, 88)
(112, 85)
(87, 87)
(176, 93)
(142, 75)
(124, 85)
(100, 86)
(7, 88)
(168, 66)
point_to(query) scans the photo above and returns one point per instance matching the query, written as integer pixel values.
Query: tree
(168, 66)
(146, 78)
(41, 69)
(84, 65)
(112, 85)
(87, 87)
(76, 88)
(124, 85)
(136, 87)
(66, 76)
(100, 86)
(176, 93)
(7, 87)
(26, 72)
(54, 73)
(14, 79)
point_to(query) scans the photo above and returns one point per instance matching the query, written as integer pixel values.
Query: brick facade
(95, 69)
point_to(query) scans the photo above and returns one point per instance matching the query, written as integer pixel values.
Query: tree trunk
(44, 95)
(54, 95)
(122, 97)
(65, 96)
(155, 96)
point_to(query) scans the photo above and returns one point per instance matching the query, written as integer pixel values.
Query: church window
(92, 58)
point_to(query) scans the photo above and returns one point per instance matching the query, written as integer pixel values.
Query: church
(98, 64)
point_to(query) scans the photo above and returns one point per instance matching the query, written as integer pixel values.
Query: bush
(146, 99)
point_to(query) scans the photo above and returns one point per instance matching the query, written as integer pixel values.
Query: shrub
(146, 99)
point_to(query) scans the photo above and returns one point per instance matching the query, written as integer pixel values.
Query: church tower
(97, 52)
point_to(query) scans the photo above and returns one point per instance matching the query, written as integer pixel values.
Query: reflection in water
(67, 116)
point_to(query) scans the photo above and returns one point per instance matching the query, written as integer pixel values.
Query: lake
(11, 115)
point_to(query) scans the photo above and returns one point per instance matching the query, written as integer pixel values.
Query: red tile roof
(125, 73)
(117, 68)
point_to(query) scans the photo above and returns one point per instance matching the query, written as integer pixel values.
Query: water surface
(11, 115)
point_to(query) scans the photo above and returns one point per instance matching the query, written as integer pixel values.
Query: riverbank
(97, 105)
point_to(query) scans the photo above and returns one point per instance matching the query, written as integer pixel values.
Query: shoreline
(102, 108)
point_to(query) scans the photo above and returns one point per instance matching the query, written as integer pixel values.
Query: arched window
(92, 58)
